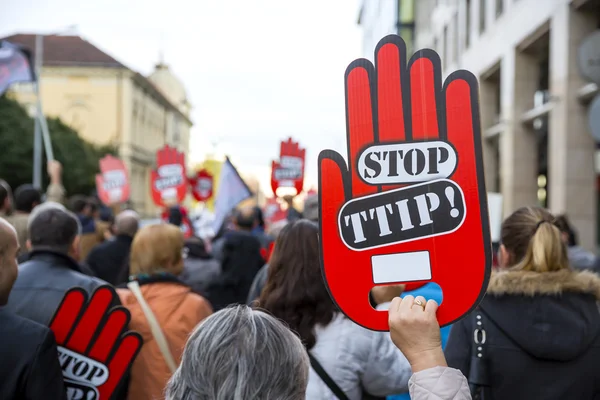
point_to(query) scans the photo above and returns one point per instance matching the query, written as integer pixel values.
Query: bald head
(9, 247)
(127, 223)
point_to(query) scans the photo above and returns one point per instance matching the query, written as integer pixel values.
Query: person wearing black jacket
(30, 368)
(51, 269)
(109, 260)
(240, 263)
(540, 318)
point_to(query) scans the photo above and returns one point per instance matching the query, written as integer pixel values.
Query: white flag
(232, 190)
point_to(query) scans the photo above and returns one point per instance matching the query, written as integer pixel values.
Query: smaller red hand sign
(112, 183)
(289, 170)
(94, 350)
(202, 185)
(169, 182)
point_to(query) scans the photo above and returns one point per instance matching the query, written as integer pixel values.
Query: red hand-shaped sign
(112, 183)
(202, 185)
(413, 195)
(94, 350)
(289, 170)
(169, 182)
(273, 212)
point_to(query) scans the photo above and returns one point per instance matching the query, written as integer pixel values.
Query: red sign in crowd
(289, 170)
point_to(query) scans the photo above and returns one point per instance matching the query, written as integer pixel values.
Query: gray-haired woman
(239, 353)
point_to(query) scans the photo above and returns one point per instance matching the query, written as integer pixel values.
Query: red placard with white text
(112, 183)
(412, 195)
(289, 170)
(273, 212)
(169, 182)
(202, 185)
(94, 348)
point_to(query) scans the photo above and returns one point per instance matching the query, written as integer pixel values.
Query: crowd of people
(227, 318)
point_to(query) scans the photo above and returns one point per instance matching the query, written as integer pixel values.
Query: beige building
(534, 103)
(108, 103)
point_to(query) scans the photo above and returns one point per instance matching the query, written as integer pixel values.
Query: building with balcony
(538, 148)
(110, 104)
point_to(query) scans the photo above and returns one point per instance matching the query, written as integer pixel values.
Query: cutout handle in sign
(409, 204)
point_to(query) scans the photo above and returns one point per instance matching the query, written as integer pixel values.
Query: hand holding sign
(404, 128)
(94, 352)
(169, 182)
(112, 184)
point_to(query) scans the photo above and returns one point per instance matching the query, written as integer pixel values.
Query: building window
(482, 16)
(499, 8)
(468, 25)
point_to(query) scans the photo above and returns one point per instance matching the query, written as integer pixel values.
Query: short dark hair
(78, 203)
(259, 216)
(27, 197)
(53, 228)
(564, 225)
(245, 218)
(175, 216)
(93, 204)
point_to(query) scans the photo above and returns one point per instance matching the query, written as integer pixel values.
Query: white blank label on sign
(401, 267)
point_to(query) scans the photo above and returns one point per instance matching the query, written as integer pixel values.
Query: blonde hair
(533, 241)
(157, 248)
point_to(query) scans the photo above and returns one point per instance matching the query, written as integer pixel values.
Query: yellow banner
(214, 168)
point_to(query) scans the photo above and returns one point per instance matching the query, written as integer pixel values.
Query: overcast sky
(256, 71)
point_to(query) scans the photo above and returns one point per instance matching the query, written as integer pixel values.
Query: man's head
(245, 218)
(93, 207)
(79, 204)
(175, 215)
(127, 223)
(27, 197)
(566, 230)
(259, 218)
(311, 208)
(289, 200)
(9, 247)
(54, 228)
(5, 196)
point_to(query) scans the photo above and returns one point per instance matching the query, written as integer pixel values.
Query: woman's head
(532, 242)
(295, 291)
(240, 353)
(157, 248)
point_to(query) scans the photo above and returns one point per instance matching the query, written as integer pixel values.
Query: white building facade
(379, 18)
(538, 149)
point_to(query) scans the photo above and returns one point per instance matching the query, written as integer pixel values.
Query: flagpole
(37, 136)
(41, 132)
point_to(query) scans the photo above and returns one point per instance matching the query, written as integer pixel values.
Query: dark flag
(15, 65)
